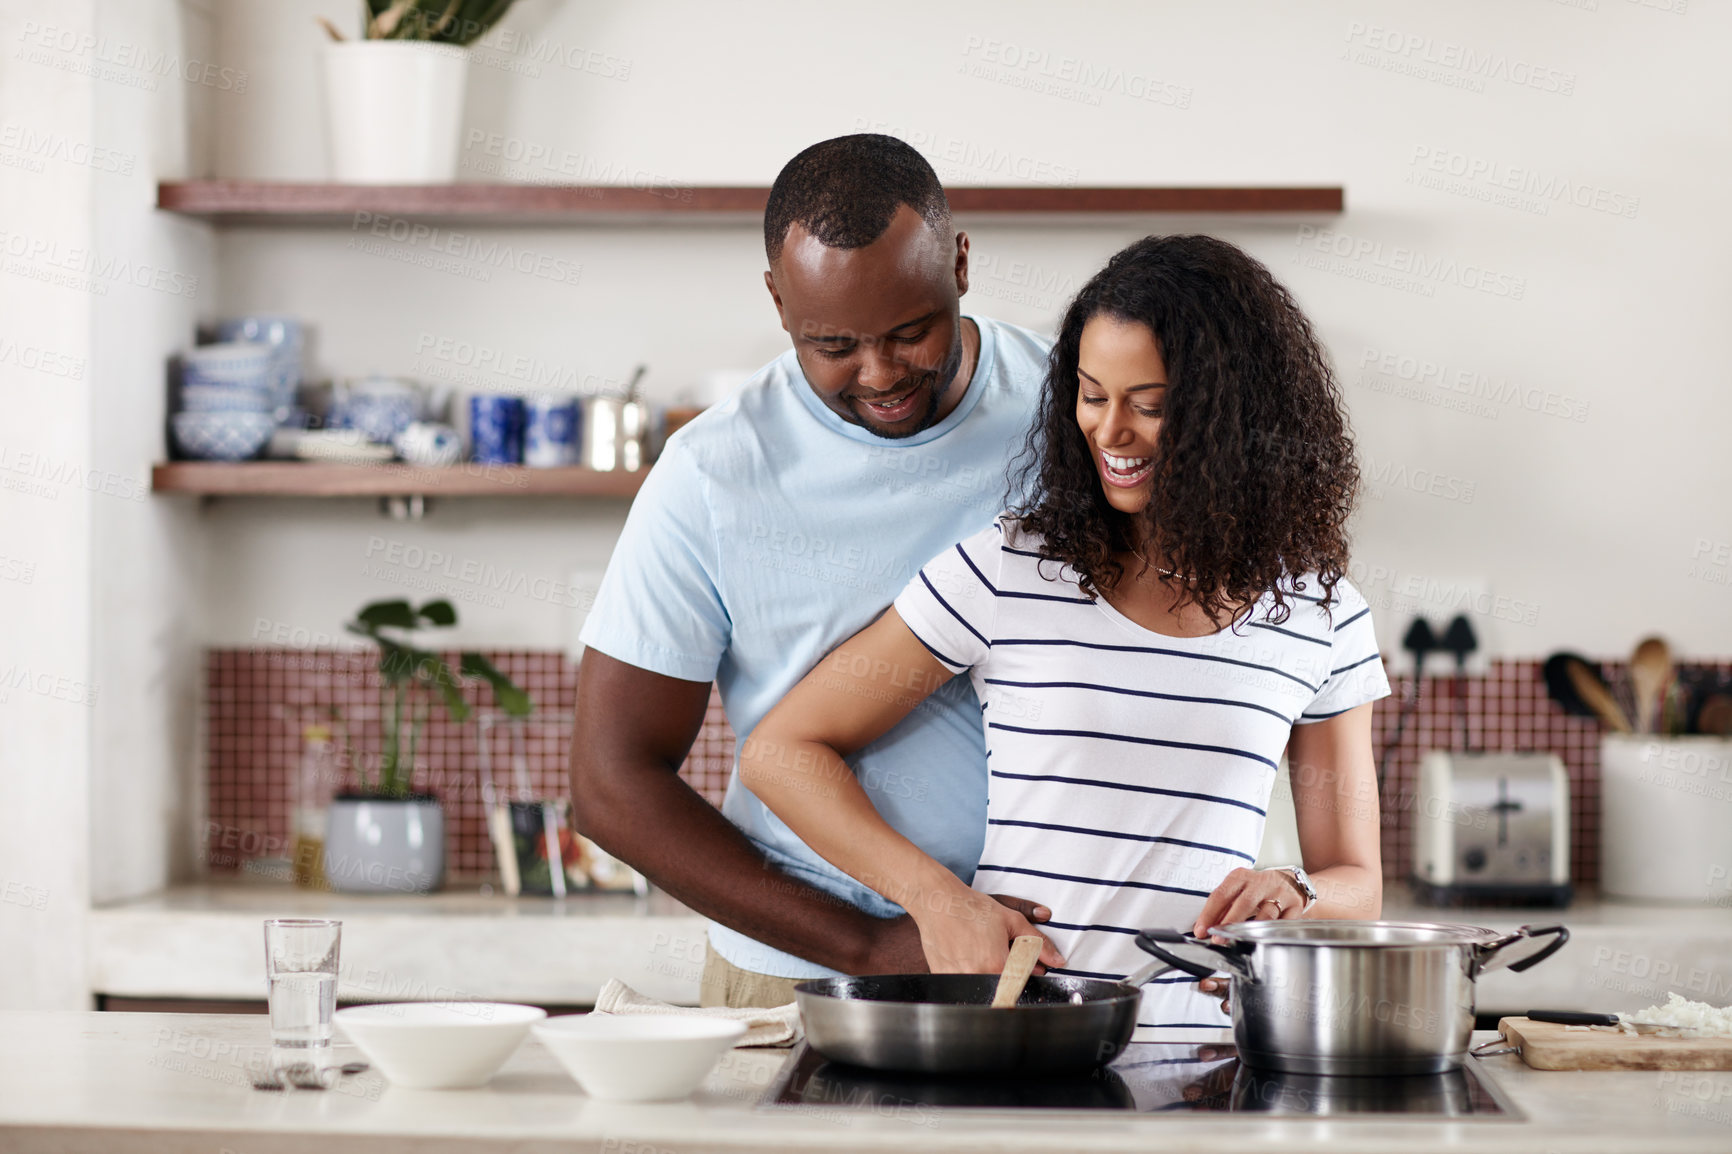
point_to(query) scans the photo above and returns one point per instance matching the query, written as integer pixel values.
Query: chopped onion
(1697, 1019)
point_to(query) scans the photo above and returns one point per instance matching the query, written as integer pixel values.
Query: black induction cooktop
(1148, 1078)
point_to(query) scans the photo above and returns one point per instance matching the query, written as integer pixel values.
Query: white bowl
(438, 1045)
(641, 1057)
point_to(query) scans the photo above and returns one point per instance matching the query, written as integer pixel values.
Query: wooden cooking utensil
(1650, 670)
(1715, 716)
(1024, 952)
(1593, 691)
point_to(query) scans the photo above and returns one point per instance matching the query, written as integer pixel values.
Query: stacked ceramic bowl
(283, 336)
(226, 401)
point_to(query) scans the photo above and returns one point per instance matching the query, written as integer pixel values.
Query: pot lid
(1331, 932)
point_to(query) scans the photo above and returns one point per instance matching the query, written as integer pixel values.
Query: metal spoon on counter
(302, 1075)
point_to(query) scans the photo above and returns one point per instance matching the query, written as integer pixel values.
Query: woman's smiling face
(1121, 393)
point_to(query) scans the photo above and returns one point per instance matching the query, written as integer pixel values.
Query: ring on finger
(1276, 902)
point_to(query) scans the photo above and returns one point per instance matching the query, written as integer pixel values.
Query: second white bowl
(640, 1058)
(438, 1045)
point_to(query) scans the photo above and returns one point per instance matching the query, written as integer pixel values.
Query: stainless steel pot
(1346, 997)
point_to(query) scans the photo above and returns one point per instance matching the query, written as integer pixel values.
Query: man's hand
(896, 943)
(963, 931)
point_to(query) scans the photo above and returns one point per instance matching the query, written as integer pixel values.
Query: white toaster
(1492, 828)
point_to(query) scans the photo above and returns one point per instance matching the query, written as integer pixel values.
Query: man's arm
(634, 729)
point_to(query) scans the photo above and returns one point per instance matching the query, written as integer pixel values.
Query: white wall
(146, 554)
(1592, 532)
(96, 657)
(46, 674)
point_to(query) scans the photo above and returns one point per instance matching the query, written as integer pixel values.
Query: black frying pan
(945, 1023)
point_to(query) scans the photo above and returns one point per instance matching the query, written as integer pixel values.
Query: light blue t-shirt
(770, 531)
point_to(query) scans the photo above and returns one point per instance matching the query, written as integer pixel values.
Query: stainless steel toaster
(1492, 828)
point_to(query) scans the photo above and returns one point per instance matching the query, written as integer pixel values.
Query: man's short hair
(845, 192)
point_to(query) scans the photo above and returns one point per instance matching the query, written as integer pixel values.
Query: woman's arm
(794, 762)
(1335, 801)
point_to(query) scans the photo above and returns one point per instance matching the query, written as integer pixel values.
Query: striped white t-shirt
(1129, 771)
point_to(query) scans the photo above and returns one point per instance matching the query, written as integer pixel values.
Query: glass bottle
(313, 788)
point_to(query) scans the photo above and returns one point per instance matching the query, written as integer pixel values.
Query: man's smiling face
(877, 329)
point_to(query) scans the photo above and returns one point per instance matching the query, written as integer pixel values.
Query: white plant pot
(1666, 819)
(385, 845)
(394, 110)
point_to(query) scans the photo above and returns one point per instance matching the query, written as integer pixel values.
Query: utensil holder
(1666, 819)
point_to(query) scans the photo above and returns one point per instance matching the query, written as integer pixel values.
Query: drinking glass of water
(301, 969)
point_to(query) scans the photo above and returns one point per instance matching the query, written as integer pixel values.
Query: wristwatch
(1303, 881)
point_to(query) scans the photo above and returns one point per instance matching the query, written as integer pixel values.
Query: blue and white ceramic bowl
(225, 398)
(222, 435)
(379, 407)
(232, 363)
(430, 444)
(283, 336)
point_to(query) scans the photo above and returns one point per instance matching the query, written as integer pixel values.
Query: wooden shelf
(261, 202)
(313, 479)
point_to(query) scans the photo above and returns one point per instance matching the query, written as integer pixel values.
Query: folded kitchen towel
(766, 1026)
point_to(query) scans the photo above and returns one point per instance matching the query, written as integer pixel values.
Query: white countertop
(148, 1083)
(205, 941)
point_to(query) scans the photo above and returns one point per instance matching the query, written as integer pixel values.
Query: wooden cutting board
(1549, 1046)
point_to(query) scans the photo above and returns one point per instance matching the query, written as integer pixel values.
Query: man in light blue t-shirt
(774, 527)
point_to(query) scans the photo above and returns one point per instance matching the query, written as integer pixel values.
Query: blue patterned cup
(550, 434)
(496, 429)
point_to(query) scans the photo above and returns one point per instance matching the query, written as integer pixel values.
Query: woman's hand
(1250, 896)
(965, 932)
(1246, 896)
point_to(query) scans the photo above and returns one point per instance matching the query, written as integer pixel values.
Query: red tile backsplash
(257, 700)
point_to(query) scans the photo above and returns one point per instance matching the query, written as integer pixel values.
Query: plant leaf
(478, 18)
(385, 23)
(439, 612)
(506, 694)
(439, 675)
(398, 662)
(397, 612)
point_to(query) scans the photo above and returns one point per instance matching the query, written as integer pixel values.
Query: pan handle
(1196, 956)
(1516, 950)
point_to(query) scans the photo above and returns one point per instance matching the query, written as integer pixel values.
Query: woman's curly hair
(1254, 473)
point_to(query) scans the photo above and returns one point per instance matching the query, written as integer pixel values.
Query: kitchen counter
(207, 942)
(204, 941)
(147, 1083)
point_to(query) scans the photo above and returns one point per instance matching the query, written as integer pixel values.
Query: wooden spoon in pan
(1024, 952)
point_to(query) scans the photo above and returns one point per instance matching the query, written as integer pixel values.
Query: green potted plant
(394, 97)
(381, 837)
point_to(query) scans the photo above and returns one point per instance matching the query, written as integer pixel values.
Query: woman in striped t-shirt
(1148, 631)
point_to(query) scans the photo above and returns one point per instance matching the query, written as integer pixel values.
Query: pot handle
(1496, 955)
(1198, 957)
